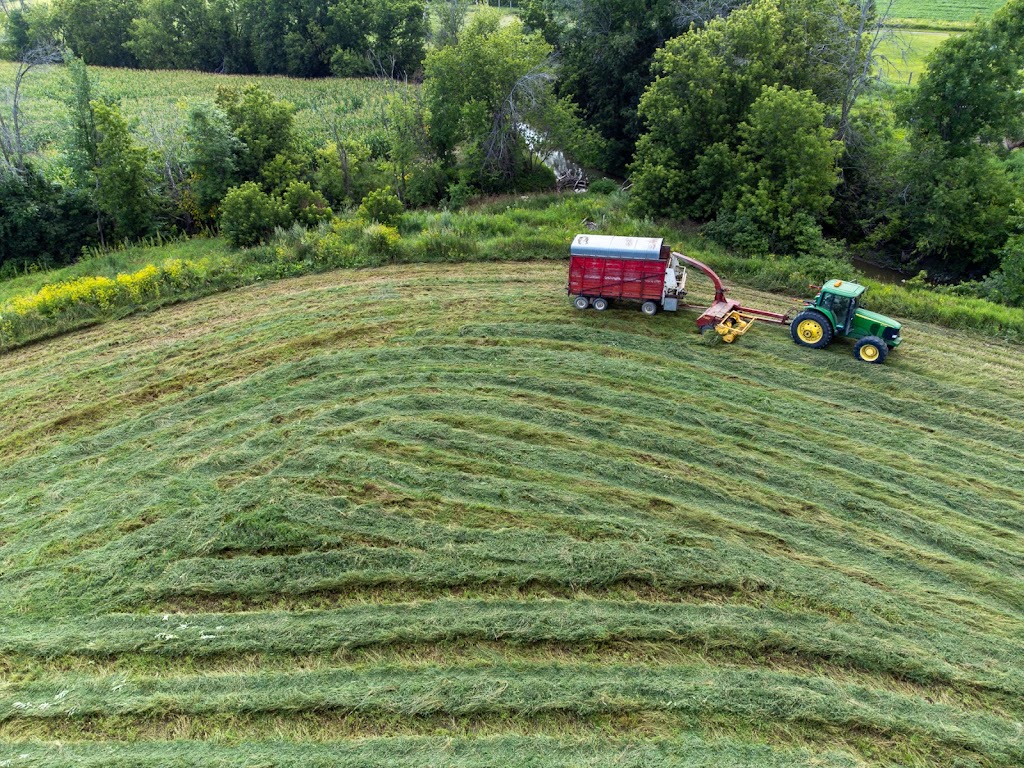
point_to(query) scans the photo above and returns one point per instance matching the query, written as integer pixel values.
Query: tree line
(766, 121)
(300, 38)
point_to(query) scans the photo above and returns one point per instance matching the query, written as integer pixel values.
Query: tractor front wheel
(870, 349)
(811, 329)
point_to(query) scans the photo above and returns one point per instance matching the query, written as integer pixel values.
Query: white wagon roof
(616, 247)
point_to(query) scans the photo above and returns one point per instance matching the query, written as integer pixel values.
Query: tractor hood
(874, 317)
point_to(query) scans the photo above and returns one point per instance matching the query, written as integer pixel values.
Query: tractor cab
(837, 311)
(839, 299)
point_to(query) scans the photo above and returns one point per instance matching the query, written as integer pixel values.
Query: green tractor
(834, 312)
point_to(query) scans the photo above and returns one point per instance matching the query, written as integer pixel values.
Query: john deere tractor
(835, 312)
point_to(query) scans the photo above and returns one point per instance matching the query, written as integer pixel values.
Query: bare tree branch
(12, 141)
(507, 124)
(859, 59)
(700, 12)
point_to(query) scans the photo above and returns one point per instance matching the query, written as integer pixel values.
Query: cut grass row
(526, 751)
(612, 629)
(581, 690)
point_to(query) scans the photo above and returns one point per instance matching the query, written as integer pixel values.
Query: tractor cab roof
(843, 288)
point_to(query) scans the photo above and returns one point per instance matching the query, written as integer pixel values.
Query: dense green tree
(484, 90)
(974, 86)
(285, 37)
(957, 205)
(262, 124)
(98, 30)
(305, 205)
(80, 152)
(607, 50)
(783, 172)
(707, 82)
(212, 152)
(124, 181)
(378, 37)
(42, 223)
(248, 215)
(15, 34)
(177, 34)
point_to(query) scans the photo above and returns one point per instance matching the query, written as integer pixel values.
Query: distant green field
(944, 10)
(905, 53)
(158, 99)
(433, 516)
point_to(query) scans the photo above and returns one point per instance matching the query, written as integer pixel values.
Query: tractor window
(840, 306)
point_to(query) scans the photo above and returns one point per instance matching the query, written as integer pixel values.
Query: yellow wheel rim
(869, 353)
(810, 331)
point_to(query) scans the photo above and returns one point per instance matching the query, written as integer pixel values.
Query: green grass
(944, 10)
(905, 54)
(158, 100)
(430, 514)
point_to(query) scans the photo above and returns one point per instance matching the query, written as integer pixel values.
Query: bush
(535, 178)
(381, 206)
(306, 206)
(603, 187)
(445, 245)
(459, 194)
(248, 215)
(381, 240)
(426, 184)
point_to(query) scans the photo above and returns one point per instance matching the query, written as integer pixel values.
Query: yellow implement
(734, 325)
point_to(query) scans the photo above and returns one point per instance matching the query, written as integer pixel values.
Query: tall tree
(487, 92)
(974, 86)
(14, 147)
(785, 170)
(176, 34)
(124, 182)
(607, 50)
(262, 124)
(98, 30)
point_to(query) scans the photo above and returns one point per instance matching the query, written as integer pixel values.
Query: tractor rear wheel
(649, 308)
(599, 304)
(811, 329)
(581, 302)
(870, 349)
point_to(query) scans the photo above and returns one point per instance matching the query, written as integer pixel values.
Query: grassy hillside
(426, 515)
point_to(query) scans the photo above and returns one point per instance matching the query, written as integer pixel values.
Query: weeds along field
(431, 515)
(159, 100)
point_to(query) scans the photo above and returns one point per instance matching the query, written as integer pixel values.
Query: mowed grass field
(432, 515)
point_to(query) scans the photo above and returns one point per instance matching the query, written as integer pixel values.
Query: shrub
(248, 215)
(382, 206)
(306, 206)
(603, 187)
(381, 240)
(445, 245)
(459, 194)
